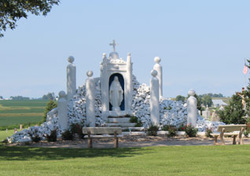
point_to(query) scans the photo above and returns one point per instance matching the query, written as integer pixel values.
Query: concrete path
(135, 141)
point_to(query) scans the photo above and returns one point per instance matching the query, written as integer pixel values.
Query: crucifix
(113, 44)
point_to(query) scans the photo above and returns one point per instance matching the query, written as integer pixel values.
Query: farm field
(21, 112)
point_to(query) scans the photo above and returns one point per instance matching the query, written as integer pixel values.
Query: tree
(180, 98)
(49, 96)
(13, 10)
(233, 113)
(19, 98)
(50, 105)
(206, 100)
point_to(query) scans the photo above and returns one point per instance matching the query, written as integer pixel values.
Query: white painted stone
(90, 99)
(158, 68)
(129, 86)
(154, 98)
(192, 109)
(62, 111)
(71, 78)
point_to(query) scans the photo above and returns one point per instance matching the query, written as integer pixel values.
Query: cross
(113, 44)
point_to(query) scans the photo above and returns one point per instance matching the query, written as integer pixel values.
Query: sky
(202, 44)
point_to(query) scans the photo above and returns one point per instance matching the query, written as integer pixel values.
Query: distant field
(15, 112)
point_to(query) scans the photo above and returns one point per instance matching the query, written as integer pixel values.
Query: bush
(52, 137)
(76, 128)
(246, 132)
(133, 119)
(152, 130)
(36, 138)
(165, 127)
(208, 132)
(181, 127)
(191, 131)
(171, 132)
(139, 124)
(67, 135)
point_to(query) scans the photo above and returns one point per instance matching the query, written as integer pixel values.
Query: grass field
(149, 161)
(21, 112)
(4, 134)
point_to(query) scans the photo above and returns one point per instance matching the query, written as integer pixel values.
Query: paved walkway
(135, 141)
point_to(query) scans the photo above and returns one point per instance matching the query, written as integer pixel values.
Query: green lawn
(149, 161)
(4, 134)
(14, 112)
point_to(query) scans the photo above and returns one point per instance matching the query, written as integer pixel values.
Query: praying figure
(115, 94)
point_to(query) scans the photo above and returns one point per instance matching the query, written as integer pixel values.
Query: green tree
(49, 96)
(207, 100)
(180, 98)
(50, 105)
(13, 10)
(233, 113)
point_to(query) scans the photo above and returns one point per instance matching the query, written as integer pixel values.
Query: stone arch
(121, 80)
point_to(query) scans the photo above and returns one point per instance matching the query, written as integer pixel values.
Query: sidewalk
(135, 141)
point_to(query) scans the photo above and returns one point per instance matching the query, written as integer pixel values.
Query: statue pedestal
(114, 114)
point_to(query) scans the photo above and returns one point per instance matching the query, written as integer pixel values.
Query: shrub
(208, 132)
(67, 135)
(35, 138)
(152, 130)
(133, 119)
(139, 124)
(246, 132)
(171, 132)
(52, 137)
(181, 127)
(76, 128)
(190, 131)
(165, 127)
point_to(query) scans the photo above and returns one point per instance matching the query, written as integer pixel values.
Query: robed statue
(115, 94)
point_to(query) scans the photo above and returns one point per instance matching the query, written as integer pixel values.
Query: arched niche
(121, 80)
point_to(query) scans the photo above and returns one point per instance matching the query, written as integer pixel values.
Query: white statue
(192, 109)
(116, 94)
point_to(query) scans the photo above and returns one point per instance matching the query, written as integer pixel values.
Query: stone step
(118, 120)
(120, 124)
(133, 128)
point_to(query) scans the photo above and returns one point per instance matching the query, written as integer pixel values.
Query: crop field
(21, 112)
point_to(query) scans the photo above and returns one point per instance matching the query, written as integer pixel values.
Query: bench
(102, 132)
(229, 130)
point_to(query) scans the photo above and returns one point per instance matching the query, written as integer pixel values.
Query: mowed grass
(149, 161)
(21, 112)
(6, 133)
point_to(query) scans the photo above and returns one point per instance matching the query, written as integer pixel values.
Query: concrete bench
(102, 132)
(229, 130)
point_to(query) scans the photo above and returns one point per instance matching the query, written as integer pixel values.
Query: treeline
(202, 100)
(48, 96)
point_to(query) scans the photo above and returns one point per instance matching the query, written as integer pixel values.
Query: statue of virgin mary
(115, 94)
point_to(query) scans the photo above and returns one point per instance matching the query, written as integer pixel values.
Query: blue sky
(202, 44)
